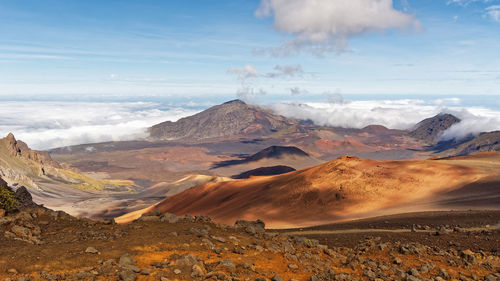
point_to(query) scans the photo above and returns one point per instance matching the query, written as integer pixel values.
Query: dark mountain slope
(482, 143)
(429, 129)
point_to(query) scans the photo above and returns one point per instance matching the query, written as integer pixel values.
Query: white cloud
(298, 91)
(493, 12)
(474, 121)
(248, 77)
(320, 26)
(44, 125)
(286, 71)
(395, 114)
(250, 94)
(280, 71)
(245, 72)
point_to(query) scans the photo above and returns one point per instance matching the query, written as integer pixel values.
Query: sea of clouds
(394, 114)
(50, 124)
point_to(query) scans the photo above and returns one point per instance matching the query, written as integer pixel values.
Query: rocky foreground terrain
(40, 244)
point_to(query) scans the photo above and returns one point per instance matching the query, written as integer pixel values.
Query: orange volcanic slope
(338, 189)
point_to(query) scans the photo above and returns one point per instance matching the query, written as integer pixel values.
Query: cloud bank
(45, 125)
(320, 26)
(394, 114)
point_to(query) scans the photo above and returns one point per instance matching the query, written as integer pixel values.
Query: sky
(87, 71)
(179, 48)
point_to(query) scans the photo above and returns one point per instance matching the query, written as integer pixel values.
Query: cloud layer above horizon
(401, 114)
(44, 125)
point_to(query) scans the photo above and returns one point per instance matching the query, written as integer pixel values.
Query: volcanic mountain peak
(233, 118)
(236, 101)
(376, 129)
(430, 129)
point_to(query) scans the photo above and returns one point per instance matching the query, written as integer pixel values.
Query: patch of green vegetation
(88, 183)
(8, 201)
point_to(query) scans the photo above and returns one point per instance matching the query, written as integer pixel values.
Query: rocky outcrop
(430, 129)
(20, 149)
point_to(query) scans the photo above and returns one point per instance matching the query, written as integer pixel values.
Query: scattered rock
(91, 250)
(226, 265)
(276, 277)
(128, 275)
(12, 271)
(251, 227)
(197, 271)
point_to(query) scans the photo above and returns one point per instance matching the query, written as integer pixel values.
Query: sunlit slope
(343, 188)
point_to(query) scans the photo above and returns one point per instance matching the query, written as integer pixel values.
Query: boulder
(251, 227)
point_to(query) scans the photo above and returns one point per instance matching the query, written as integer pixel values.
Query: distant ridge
(232, 118)
(430, 129)
(483, 143)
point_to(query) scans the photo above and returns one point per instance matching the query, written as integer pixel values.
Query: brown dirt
(66, 239)
(345, 188)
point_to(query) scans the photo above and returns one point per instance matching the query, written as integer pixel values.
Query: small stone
(443, 274)
(276, 277)
(91, 250)
(126, 259)
(128, 275)
(145, 271)
(227, 265)
(197, 271)
(369, 273)
(293, 266)
(248, 266)
(219, 239)
(12, 271)
(397, 261)
(314, 278)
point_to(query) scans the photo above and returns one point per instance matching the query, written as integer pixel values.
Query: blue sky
(201, 48)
